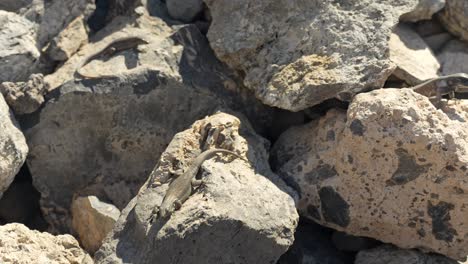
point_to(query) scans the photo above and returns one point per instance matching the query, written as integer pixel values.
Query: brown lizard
(182, 186)
(119, 44)
(444, 85)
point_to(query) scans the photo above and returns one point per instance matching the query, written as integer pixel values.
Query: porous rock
(388, 254)
(24, 97)
(392, 168)
(122, 122)
(243, 213)
(304, 52)
(454, 17)
(13, 148)
(92, 220)
(424, 10)
(413, 58)
(21, 245)
(18, 52)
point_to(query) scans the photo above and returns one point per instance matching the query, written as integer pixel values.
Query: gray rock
(68, 41)
(387, 254)
(424, 10)
(346, 242)
(24, 97)
(243, 213)
(13, 148)
(437, 41)
(393, 168)
(304, 52)
(18, 52)
(137, 111)
(414, 59)
(454, 17)
(13, 5)
(184, 10)
(453, 57)
(92, 221)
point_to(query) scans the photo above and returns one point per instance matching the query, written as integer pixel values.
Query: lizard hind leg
(177, 204)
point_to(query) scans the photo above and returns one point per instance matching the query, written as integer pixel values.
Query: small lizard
(444, 85)
(182, 186)
(114, 46)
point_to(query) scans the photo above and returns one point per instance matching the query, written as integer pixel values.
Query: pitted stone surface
(395, 170)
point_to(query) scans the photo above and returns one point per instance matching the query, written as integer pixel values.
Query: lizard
(182, 186)
(443, 85)
(118, 44)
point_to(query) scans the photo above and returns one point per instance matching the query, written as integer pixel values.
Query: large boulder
(21, 245)
(388, 254)
(454, 57)
(304, 52)
(13, 148)
(242, 213)
(454, 17)
(122, 122)
(424, 10)
(393, 167)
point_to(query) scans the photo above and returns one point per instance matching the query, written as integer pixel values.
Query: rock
(414, 59)
(243, 213)
(454, 17)
(391, 255)
(177, 74)
(291, 57)
(68, 41)
(312, 245)
(424, 10)
(346, 242)
(437, 41)
(18, 52)
(53, 16)
(184, 10)
(13, 5)
(427, 28)
(24, 97)
(13, 147)
(21, 245)
(453, 58)
(93, 220)
(392, 168)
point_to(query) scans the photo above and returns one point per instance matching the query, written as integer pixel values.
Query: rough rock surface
(13, 148)
(392, 168)
(184, 10)
(243, 213)
(424, 10)
(18, 52)
(437, 41)
(24, 97)
(387, 254)
(454, 17)
(93, 220)
(414, 59)
(69, 40)
(13, 5)
(304, 52)
(51, 17)
(453, 58)
(176, 74)
(21, 245)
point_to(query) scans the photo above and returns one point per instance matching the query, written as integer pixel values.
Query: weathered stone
(427, 28)
(24, 97)
(346, 242)
(304, 52)
(387, 254)
(93, 220)
(437, 41)
(453, 58)
(21, 245)
(13, 5)
(312, 245)
(13, 148)
(51, 17)
(392, 168)
(18, 52)
(424, 10)
(244, 213)
(172, 81)
(414, 59)
(69, 40)
(184, 10)
(454, 17)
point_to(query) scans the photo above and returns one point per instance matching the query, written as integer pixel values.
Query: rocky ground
(104, 103)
